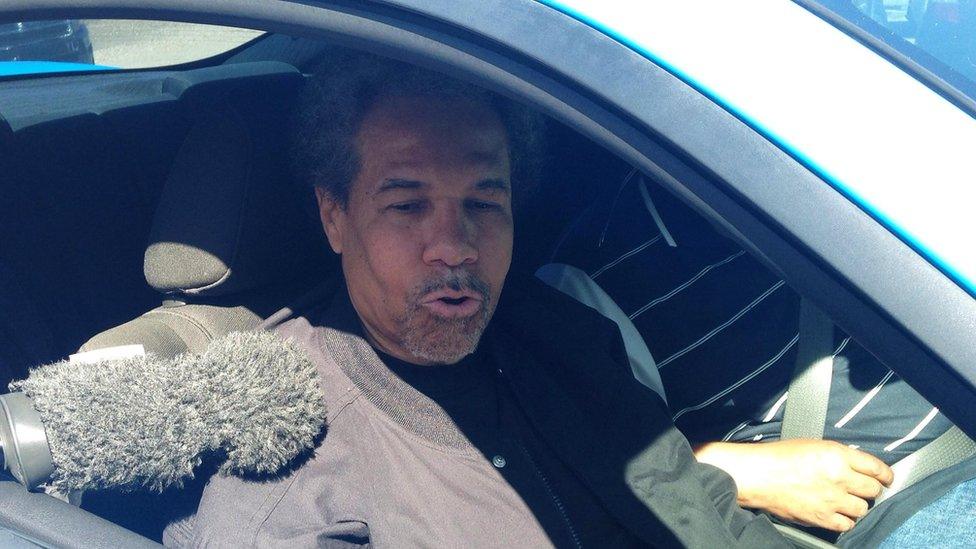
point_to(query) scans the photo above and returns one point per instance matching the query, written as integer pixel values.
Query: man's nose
(451, 239)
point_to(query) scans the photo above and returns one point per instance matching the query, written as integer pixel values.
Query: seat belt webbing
(948, 449)
(805, 411)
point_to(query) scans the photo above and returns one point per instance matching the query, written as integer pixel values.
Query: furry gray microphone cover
(147, 422)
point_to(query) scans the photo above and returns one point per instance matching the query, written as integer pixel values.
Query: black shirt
(477, 398)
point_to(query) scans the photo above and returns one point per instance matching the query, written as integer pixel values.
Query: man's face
(426, 235)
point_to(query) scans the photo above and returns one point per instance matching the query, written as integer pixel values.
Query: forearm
(739, 461)
(816, 482)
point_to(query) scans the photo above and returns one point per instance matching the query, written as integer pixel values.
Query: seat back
(230, 241)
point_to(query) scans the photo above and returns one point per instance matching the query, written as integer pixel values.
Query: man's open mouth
(453, 304)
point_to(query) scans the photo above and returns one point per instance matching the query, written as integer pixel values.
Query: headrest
(229, 218)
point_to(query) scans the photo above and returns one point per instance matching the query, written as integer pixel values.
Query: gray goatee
(444, 340)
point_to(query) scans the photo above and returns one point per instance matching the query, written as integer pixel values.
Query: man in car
(723, 331)
(460, 414)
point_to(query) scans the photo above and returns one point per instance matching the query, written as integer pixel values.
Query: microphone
(146, 422)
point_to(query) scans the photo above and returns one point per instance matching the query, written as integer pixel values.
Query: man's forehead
(489, 184)
(402, 157)
(418, 139)
(402, 125)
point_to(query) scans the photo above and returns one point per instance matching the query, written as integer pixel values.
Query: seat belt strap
(805, 411)
(948, 449)
(651, 209)
(578, 285)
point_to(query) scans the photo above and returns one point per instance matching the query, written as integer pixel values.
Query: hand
(813, 482)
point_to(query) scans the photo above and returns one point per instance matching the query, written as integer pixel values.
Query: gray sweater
(394, 471)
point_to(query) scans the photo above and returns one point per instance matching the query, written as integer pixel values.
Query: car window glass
(940, 35)
(64, 45)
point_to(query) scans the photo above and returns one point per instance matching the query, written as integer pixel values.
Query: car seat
(232, 241)
(229, 240)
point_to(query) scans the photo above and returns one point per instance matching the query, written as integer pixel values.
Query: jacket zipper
(560, 508)
(552, 494)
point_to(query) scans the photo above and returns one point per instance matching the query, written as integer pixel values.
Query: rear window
(939, 35)
(74, 44)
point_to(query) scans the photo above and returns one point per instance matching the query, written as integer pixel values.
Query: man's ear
(333, 218)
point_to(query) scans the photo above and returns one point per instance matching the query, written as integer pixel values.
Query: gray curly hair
(341, 90)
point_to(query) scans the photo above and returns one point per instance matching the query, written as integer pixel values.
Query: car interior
(155, 207)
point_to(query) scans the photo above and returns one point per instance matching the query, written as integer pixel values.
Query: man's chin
(444, 341)
(434, 357)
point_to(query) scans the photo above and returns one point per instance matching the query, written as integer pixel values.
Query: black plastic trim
(24, 106)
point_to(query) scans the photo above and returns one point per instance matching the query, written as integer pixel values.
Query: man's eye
(406, 207)
(480, 205)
